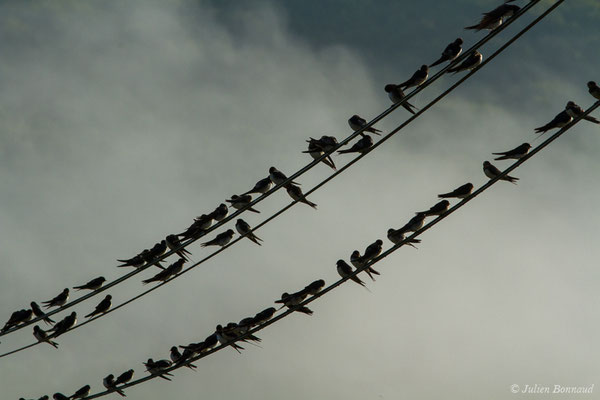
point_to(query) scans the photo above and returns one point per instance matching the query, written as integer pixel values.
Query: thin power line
(339, 171)
(377, 259)
(295, 175)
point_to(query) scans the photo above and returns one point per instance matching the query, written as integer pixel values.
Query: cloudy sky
(121, 121)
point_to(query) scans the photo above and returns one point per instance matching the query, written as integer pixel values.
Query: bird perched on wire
(317, 152)
(264, 315)
(179, 358)
(124, 377)
(593, 89)
(221, 239)
(226, 337)
(575, 111)
(157, 368)
(239, 202)
(357, 260)
(278, 177)
(314, 288)
(17, 318)
(345, 270)
(261, 187)
(417, 79)
(396, 236)
(364, 144)
(437, 209)
(167, 273)
(42, 336)
(562, 119)
(220, 212)
(102, 307)
(135, 262)
(325, 143)
(396, 95)
(110, 385)
(491, 172)
(58, 300)
(469, 63)
(199, 225)
(450, 53)
(174, 244)
(244, 229)
(296, 194)
(37, 311)
(460, 193)
(81, 393)
(493, 19)
(94, 284)
(415, 223)
(63, 325)
(516, 153)
(293, 301)
(59, 396)
(357, 123)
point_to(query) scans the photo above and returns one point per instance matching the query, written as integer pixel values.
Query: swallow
(220, 212)
(261, 187)
(158, 249)
(493, 19)
(575, 111)
(210, 342)
(594, 89)
(491, 172)
(156, 367)
(221, 239)
(361, 146)
(124, 377)
(314, 288)
(174, 244)
(345, 271)
(414, 224)
(16, 318)
(396, 95)
(44, 397)
(246, 324)
(102, 307)
(296, 194)
(81, 393)
(561, 120)
(264, 315)
(178, 358)
(450, 53)
(469, 63)
(110, 385)
(244, 229)
(199, 225)
(516, 153)
(150, 255)
(165, 274)
(239, 202)
(278, 177)
(357, 123)
(37, 311)
(59, 396)
(227, 338)
(325, 143)
(63, 325)
(396, 236)
(94, 284)
(316, 152)
(239, 331)
(437, 209)
(135, 262)
(58, 300)
(459, 193)
(372, 251)
(42, 336)
(290, 300)
(417, 79)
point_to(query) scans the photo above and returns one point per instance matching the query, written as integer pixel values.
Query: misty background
(122, 121)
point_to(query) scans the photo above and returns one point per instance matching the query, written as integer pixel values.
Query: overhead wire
(340, 170)
(385, 254)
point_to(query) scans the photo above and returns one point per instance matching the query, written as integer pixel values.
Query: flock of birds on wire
(231, 332)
